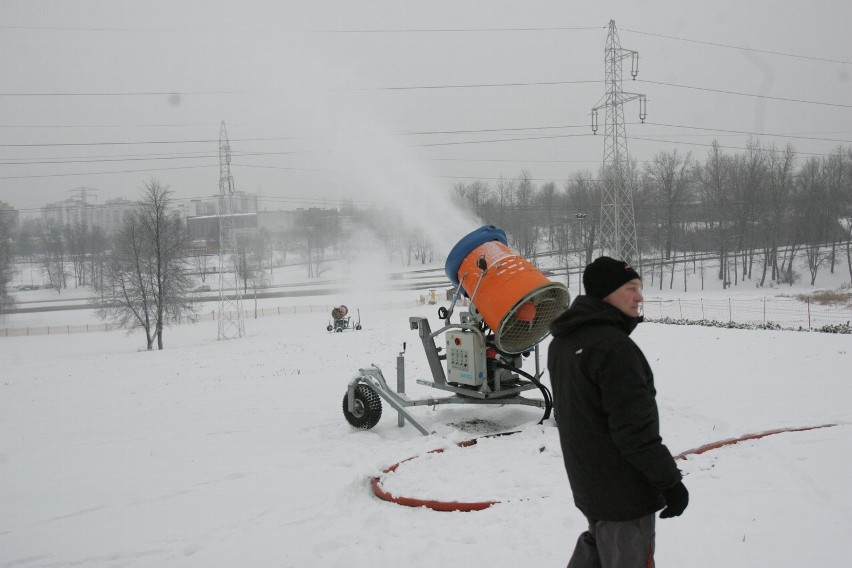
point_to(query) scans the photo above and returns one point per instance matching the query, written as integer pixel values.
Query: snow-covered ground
(236, 453)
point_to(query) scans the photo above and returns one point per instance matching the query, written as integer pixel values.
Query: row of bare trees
(757, 210)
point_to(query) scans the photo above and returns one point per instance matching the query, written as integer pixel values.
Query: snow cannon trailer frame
(362, 404)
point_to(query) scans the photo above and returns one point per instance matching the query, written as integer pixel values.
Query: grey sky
(395, 100)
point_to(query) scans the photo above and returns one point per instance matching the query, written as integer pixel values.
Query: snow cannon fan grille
(513, 297)
(529, 321)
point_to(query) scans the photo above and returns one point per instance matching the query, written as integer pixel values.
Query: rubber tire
(328, 328)
(358, 327)
(368, 408)
(338, 329)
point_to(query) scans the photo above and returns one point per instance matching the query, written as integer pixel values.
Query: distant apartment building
(206, 227)
(68, 212)
(107, 215)
(204, 206)
(110, 214)
(10, 216)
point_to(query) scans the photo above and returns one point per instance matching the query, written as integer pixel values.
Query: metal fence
(784, 312)
(201, 316)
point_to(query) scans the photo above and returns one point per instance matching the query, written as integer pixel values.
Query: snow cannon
(480, 358)
(341, 319)
(507, 291)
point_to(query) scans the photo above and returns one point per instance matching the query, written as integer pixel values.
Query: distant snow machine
(340, 320)
(512, 305)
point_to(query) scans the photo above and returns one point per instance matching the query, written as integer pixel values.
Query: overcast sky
(392, 100)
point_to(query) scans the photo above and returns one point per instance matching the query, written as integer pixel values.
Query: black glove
(677, 497)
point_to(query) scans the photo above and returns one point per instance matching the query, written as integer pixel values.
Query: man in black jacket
(604, 399)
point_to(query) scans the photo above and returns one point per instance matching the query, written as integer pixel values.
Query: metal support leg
(400, 385)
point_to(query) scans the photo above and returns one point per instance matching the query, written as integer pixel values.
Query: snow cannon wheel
(328, 328)
(358, 327)
(368, 408)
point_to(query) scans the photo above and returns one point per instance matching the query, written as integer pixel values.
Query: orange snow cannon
(511, 295)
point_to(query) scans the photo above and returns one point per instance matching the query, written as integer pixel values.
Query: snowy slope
(237, 454)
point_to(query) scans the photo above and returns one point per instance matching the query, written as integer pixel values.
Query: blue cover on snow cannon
(469, 242)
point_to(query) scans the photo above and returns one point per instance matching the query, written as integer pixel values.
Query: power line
(120, 143)
(126, 158)
(481, 130)
(514, 160)
(745, 132)
(472, 85)
(726, 92)
(76, 29)
(173, 125)
(315, 31)
(457, 30)
(416, 133)
(451, 30)
(495, 140)
(278, 91)
(741, 48)
(321, 170)
(437, 87)
(146, 170)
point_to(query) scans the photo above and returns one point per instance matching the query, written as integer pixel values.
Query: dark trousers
(608, 544)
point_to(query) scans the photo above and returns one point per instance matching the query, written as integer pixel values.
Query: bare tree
(501, 202)
(583, 198)
(251, 251)
(317, 230)
(755, 189)
(837, 175)
(716, 190)
(78, 239)
(524, 226)
(147, 282)
(6, 264)
(547, 199)
(671, 175)
(846, 216)
(97, 256)
(477, 195)
(816, 212)
(53, 256)
(26, 239)
(200, 259)
(779, 188)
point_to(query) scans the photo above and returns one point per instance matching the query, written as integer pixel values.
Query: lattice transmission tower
(230, 300)
(618, 221)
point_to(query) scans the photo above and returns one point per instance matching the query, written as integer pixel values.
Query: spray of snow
(384, 171)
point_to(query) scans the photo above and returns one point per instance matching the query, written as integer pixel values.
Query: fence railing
(198, 317)
(784, 312)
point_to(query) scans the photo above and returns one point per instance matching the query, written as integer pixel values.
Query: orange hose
(463, 506)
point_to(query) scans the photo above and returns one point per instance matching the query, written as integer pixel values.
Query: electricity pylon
(618, 221)
(230, 299)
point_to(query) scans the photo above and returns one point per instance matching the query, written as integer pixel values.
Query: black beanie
(606, 275)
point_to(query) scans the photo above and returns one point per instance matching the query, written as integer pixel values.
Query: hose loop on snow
(462, 506)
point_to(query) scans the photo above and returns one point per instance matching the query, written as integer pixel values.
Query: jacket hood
(590, 310)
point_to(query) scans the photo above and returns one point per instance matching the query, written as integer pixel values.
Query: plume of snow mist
(383, 171)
